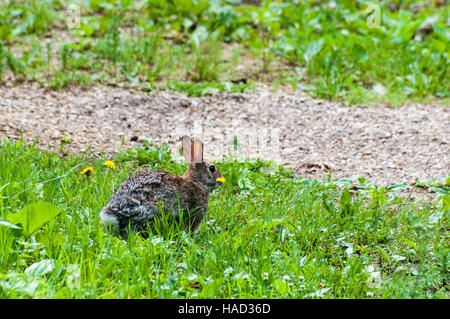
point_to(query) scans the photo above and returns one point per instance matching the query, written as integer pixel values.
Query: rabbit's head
(205, 173)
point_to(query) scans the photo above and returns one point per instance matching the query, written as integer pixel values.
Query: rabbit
(148, 194)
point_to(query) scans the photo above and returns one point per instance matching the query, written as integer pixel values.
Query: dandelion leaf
(34, 216)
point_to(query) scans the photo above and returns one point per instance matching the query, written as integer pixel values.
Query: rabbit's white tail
(110, 222)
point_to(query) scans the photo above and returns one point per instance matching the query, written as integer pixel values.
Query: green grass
(267, 235)
(207, 88)
(327, 48)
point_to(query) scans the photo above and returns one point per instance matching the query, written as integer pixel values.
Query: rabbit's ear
(198, 151)
(188, 148)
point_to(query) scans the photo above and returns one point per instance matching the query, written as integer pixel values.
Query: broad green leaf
(73, 279)
(187, 23)
(304, 87)
(441, 190)
(34, 216)
(442, 32)
(210, 91)
(397, 257)
(40, 268)
(21, 28)
(245, 183)
(199, 35)
(281, 286)
(343, 182)
(273, 223)
(397, 187)
(360, 53)
(191, 277)
(408, 90)
(312, 49)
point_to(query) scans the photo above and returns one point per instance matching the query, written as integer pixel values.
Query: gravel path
(388, 145)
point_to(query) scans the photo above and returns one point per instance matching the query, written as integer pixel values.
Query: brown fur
(150, 194)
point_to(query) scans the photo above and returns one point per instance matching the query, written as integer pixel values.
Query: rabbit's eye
(212, 168)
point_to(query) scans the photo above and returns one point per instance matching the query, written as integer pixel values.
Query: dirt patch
(316, 137)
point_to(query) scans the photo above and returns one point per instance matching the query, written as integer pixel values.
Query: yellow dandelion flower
(110, 164)
(220, 179)
(87, 171)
